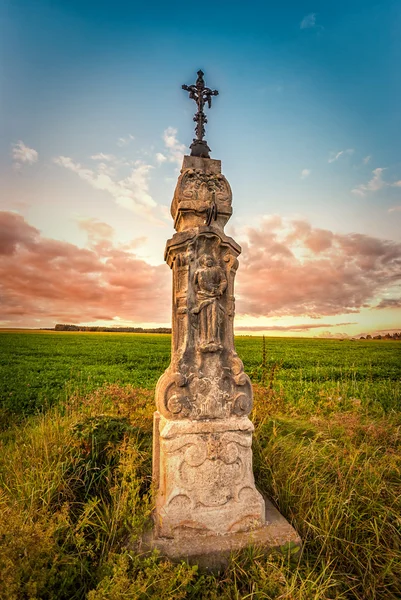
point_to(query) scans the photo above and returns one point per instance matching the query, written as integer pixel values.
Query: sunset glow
(306, 125)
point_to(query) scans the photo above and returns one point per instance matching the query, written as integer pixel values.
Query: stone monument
(206, 500)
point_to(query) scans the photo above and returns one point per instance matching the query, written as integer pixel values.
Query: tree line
(66, 327)
(387, 336)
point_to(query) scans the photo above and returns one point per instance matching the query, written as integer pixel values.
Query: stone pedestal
(205, 482)
(202, 459)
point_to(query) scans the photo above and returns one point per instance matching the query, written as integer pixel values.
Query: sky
(94, 125)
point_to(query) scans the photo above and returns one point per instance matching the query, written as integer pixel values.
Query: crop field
(40, 369)
(75, 468)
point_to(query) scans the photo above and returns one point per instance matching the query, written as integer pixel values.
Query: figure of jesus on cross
(201, 95)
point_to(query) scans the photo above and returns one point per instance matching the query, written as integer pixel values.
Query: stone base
(202, 471)
(212, 552)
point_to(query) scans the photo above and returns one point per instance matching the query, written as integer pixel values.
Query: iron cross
(201, 95)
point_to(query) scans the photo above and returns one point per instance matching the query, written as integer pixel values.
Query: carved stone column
(202, 453)
(203, 437)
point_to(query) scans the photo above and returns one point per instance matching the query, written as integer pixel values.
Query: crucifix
(206, 501)
(201, 95)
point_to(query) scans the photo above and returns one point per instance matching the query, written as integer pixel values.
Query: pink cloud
(96, 230)
(287, 268)
(291, 268)
(59, 282)
(389, 303)
(14, 231)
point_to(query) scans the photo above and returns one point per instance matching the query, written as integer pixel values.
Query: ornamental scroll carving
(208, 474)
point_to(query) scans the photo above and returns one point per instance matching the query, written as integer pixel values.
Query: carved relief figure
(210, 283)
(201, 199)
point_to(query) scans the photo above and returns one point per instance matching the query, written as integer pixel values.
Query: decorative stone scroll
(202, 463)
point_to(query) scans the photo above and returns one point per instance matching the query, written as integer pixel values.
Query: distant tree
(97, 328)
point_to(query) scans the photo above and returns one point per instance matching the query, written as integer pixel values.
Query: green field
(39, 369)
(75, 468)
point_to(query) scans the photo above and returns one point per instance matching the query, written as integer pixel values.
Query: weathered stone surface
(202, 454)
(202, 195)
(212, 552)
(205, 480)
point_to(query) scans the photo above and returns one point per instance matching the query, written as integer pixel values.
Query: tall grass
(75, 488)
(73, 483)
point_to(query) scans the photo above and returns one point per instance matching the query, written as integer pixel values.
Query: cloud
(305, 173)
(174, 149)
(295, 328)
(366, 159)
(104, 157)
(389, 303)
(395, 209)
(131, 192)
(336, 155)
(56, 281)
(22, 154)
(335, 336)
(122, 142)
(292, 268)
(161, 158)
(288, 268)
(376, 183)
(96, 230)
(14, 231)
(308, 22)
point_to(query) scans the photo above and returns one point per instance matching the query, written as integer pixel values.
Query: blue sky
(307, 121)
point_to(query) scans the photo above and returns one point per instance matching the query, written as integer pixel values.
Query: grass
(75, 479)
(41, 369)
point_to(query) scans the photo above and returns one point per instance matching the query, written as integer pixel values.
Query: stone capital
(202, 196)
